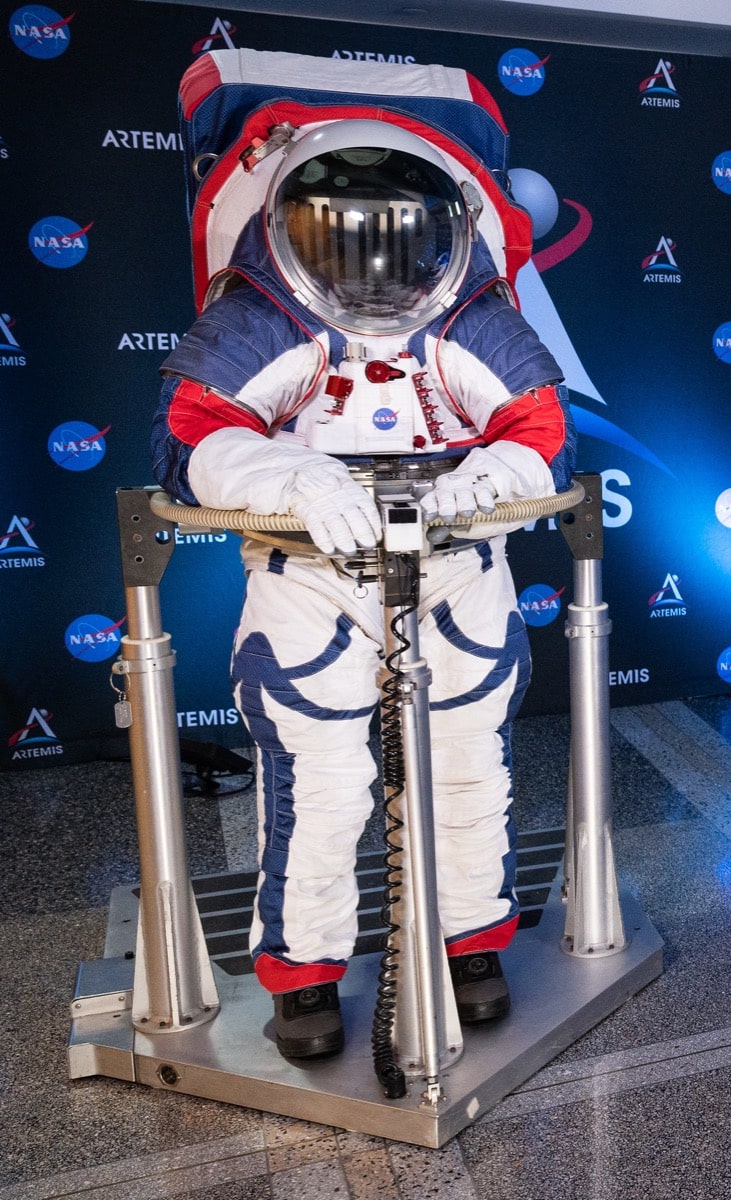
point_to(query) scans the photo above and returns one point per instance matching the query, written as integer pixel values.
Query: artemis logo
(18, 548)
(93, 638)
(58, 242)
(540, 604)
(660, 266)
(142, 139)
(40, 32)
(659, 90)
(221, 28)
(10, 351)
(4, 152)
(35, 739)
(668, 602)
(372, 56)
(77, 446)
(148, 341)
(521, 72)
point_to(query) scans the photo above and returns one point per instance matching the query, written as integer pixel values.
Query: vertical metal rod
(593, 922)
(420, 831)
(174, 987)
(427, 1032)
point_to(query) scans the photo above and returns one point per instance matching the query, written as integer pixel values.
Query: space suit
(362, 322)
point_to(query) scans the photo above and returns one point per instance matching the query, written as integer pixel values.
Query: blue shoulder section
(498, 336)
(249, 326)
(233, 340)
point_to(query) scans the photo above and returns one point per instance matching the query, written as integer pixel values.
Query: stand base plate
(233, 1058)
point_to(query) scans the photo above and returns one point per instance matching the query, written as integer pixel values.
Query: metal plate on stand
(556, 998)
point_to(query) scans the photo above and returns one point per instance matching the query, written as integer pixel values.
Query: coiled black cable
(388, 1072)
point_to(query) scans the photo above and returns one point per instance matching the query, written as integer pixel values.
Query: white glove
(503, 471)
(339, 514)
(239, 468)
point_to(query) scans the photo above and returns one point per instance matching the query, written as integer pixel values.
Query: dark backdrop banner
(625, 159)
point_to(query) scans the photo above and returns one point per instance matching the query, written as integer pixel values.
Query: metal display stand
(164, 1016)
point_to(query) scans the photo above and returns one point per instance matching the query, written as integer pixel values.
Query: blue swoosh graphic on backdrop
(607, 431)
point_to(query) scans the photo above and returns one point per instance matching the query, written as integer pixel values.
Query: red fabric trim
(466, 444)
(492, 939)
(195, 412)
(278, 976)
(516, 223)
(485, 99)
(535, 419)
(200, 79)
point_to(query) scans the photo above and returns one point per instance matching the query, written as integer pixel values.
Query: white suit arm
(240, 469)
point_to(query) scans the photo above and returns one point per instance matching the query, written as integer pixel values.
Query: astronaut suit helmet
(368, 227)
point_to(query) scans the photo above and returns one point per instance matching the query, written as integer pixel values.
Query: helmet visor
(371, 239)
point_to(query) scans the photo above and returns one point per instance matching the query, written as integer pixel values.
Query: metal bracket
(582, 526)
(146, 541)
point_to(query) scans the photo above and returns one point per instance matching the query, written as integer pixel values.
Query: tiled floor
(640, 1107)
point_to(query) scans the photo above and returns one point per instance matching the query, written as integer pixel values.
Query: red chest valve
(382, 372)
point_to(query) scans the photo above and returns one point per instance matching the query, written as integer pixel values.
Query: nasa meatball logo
(40, 32)
(92, 638)
(521, 72)
(77, 446)
(723, 665)
(722, 342)
(58, 242)
(385, 418)
(721, 172)
(540, 604)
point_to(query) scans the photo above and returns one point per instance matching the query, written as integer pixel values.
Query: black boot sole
(475, 1014)
(325, 1046)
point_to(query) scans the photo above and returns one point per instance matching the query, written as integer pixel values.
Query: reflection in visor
(375, 230)
(372, 252)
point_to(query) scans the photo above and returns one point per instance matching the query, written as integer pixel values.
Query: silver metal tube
(419, 814)
(587, 583)
(144, 619)
(174, 986)
(427, 1034)
(594, 923)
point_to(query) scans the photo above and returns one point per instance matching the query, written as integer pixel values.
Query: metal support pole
(427, 1033)
(174, 987)
(594, 925)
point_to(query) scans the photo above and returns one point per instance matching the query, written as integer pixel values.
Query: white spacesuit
(362, 320)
